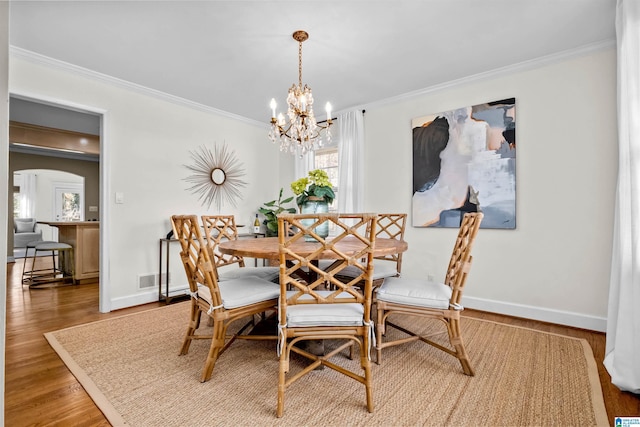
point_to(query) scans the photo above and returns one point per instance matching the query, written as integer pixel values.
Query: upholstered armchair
(25, 231)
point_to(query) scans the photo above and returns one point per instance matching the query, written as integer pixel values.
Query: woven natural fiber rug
(130, 367)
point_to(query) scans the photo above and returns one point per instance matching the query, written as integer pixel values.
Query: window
(68, 201)
(327, 160)
(70, 206)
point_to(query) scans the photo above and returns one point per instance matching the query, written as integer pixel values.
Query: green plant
(316, 185)
(271, 211)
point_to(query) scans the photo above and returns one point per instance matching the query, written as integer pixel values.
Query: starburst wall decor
(216, 176)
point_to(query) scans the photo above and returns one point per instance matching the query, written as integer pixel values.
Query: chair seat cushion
(339, 314)
(415, 292)
(381, 270)
(243, 291)
(307, 315)
(51, 246)
(270, 274)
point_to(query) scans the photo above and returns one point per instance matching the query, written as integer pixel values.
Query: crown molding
(39, 59)
(498, 72)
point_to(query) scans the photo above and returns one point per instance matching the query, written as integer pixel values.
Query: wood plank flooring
(40, 390)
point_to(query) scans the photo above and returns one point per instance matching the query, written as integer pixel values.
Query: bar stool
(26, 274)
(62, 270)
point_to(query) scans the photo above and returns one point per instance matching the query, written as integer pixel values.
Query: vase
(315, 205)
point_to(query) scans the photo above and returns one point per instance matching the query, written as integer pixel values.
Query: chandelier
(299, 133)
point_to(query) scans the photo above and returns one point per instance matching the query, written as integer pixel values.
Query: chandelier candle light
(301, 133)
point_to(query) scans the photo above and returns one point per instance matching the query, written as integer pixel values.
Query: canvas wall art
(464, 160)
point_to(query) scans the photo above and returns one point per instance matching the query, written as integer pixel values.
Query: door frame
(105, 163)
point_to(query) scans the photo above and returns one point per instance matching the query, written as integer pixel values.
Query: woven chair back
(352, 245)
(460, 262)
(195, 256)
(392, 226)
(218, 229)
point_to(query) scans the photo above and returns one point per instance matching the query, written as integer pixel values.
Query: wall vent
(148, 281)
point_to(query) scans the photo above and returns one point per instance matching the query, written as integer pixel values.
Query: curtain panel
(28, 195)
(351, 163)
(623, 320)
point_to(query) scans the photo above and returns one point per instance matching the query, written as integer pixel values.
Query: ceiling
(236, 55)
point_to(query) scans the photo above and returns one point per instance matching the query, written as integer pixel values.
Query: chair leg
(24, 264)
(282, 370)
(53, 261)
(217, 343)
(453, 327)
(366, 365)
(379, 332)
(198, 317)
(191, 329)
(28, 279)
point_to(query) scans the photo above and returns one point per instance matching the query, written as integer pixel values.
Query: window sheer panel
(351, 162)
(623, 320)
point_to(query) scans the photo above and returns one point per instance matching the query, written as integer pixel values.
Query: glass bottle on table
(256, 225)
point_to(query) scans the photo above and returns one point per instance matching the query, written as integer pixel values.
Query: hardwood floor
(40, 390)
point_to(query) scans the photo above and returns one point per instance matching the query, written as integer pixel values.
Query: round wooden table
(267, 248)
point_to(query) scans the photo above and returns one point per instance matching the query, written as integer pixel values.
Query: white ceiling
(236, 55)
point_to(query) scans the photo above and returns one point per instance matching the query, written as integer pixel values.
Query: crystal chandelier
(299, 133)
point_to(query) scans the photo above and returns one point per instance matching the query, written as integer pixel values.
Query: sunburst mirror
(216, 176)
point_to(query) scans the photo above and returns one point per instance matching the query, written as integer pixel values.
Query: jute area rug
(131, 369)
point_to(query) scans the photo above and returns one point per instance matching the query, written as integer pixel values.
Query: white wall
(555, 265)
(147, 141)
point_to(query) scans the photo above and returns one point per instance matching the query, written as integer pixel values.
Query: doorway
(45, 115)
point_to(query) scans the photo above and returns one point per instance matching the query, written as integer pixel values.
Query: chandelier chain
(300, 64)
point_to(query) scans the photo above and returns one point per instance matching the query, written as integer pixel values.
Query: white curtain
(28, 195)
(302, 165)
(351, 165)
(622, 358)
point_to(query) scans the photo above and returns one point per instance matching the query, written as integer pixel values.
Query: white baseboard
(567, 318)
(133, 300)
(137, 299)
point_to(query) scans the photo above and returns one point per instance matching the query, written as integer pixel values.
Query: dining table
(268, 247)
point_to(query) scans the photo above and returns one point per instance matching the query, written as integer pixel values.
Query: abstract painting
(464, 160)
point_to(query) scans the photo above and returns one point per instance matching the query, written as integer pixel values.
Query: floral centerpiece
(314, 194)
(313, 188)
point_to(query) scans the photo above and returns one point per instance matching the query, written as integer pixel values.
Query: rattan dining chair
(224, 302)
(390, 226)
(421, 297)
(309, 310)
(221, 228)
